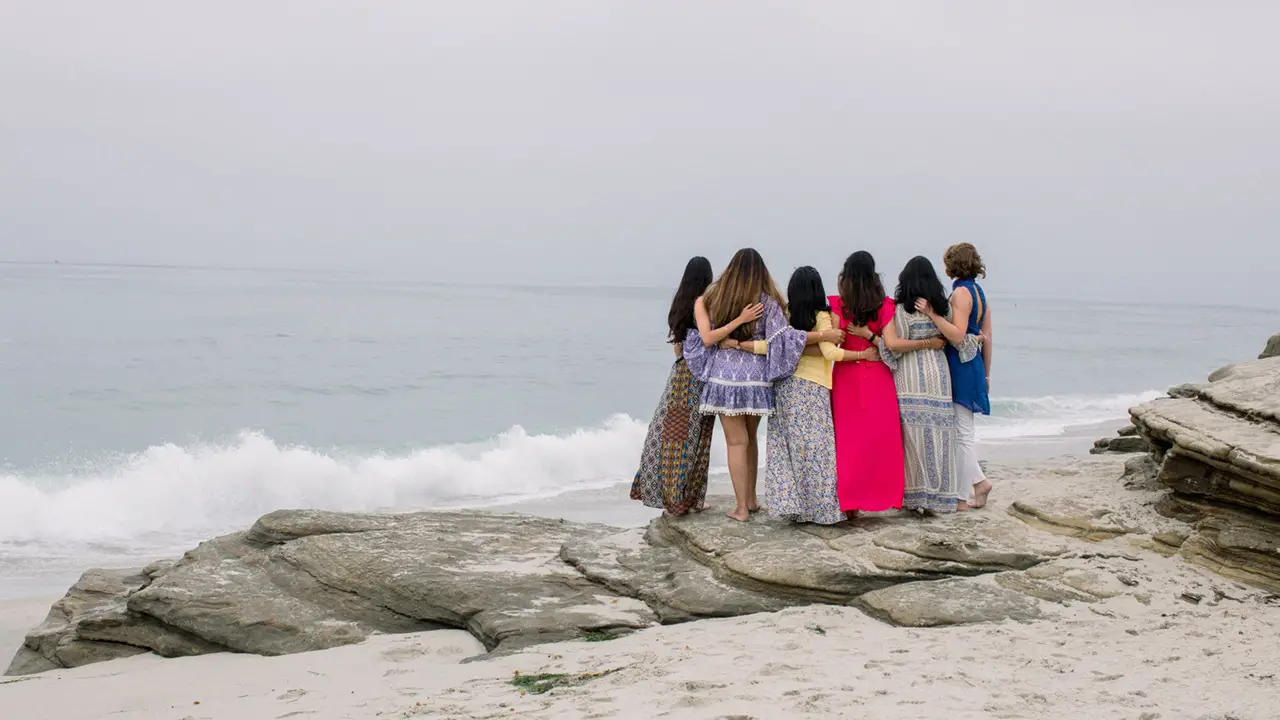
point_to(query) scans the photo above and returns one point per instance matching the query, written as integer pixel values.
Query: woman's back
(925, 371)
(740, 382)
(876, 325)
(864, 405)
(978, 307)
(969, 376)
(916, 326)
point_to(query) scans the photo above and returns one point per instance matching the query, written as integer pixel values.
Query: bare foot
(962, 505)
(850, 515)
(701, 508)
(980, 493)
(753, 506)
(740, 515)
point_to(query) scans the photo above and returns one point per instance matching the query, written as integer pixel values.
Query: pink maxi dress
(870, 467)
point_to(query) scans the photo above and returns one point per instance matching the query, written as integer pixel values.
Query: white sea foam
(1019, 419)
(177, 494)
(172, 491)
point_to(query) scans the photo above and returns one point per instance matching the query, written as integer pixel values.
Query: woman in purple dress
(748, 345)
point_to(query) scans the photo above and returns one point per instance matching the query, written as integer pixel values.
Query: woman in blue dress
(970, 381)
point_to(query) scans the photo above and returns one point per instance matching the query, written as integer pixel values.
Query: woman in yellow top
(800, 471)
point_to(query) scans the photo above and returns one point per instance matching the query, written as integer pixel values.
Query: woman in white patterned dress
(913, 348)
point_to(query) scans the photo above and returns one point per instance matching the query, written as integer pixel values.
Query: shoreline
(604, 505)
(1139, 649)
(613, 506)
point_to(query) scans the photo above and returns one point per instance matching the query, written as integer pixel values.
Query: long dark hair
(861, 292)
(697, 277)
(920, 280)
(806, 298)
(741, 284)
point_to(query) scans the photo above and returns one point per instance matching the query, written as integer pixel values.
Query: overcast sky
(1110, 147)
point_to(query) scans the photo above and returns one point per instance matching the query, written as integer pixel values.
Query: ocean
(149, 408)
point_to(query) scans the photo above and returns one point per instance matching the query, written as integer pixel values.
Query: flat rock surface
(303, 580)
(1249, 388)
(1233, 420)
(307, 580)
(951, 602)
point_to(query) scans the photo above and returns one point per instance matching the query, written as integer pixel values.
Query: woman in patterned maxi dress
(800, 469)
(914, 349)
(677, 449)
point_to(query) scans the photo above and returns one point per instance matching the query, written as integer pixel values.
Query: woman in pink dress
(870, 474)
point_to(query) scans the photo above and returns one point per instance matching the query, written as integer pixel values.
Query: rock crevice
(1217, 446)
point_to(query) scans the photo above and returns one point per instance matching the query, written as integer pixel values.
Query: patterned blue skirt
(724, 397)
(800, 469)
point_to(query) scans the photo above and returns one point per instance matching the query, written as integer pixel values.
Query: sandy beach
(17, 617)
(1168, 660)
(1174, 641)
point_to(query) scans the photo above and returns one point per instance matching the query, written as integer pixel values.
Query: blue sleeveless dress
(969, 379)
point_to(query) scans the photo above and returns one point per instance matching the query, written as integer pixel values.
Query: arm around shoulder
(709, 335)
(829, 350)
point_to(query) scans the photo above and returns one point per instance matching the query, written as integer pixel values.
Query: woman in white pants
(970, 380)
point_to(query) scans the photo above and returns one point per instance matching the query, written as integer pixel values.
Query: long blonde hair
(741, 284)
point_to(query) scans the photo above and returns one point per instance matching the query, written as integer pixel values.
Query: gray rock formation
(950, 602)
(1127, 441)
(307, 580)
(1218, 449)
(1272, 349)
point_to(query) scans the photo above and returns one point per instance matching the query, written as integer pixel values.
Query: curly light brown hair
(963, 262)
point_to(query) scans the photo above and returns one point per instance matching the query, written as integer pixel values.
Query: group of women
(871, 399)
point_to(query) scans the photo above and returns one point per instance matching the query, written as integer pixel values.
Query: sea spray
(211, 488)
(1014, 419)
(191, 492)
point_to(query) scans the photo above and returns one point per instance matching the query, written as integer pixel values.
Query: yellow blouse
(818, 369)
(813, 368)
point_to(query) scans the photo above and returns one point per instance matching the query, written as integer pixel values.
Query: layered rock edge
(1216, 446)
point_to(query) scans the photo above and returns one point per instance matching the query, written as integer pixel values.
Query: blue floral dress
(739, 382)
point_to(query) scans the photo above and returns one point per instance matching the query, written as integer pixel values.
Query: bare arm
(961, 306)
(986, 343)
(870, 354)
(829, 348)
(823, 334)
(898, 344)
(949, 330)
(861, 331)
(824, 337)
(678, 348)
(713, 337)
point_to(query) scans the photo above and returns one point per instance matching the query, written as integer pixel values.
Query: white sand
(1114, 659)
(1145, 655)
(16, 618)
